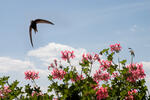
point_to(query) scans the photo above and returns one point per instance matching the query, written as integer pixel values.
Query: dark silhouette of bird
(132, 52)
(33, 26)
(132, 55)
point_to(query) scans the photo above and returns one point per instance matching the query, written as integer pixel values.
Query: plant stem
(131, 59)
(91, 68)
(35, 85)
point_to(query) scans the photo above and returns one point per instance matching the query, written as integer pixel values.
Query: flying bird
(33, 26)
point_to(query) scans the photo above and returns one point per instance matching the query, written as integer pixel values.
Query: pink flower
(116, 47)
(55, 61)
(4, 91)
(102, 93)
(35, 93)
(52, 65)
(84, 58)
(105, 76)
(136, 72)
(114, 75)
(131, 95)
(66, 55)
(31, 75)
(98, 76)
(87, 56)
(90, 58)
(59, 74)
(105, 64)
(1, 94)
(96, 57)
(78, 77)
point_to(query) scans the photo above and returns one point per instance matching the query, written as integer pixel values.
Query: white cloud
(10, 64)
(15, 68)
(53, 51)
(146, 66)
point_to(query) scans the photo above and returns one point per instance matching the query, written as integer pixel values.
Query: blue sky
(89, 24)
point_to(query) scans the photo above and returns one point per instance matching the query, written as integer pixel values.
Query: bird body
(33, 26)
(132, 52)
(132, 55)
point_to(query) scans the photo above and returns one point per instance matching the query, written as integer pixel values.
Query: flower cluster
(87, 56)
(37, 94)
(78, 77)
(136, 72)
(99, 76)
(115, 74)
(102, 93)
(53, 65)
(105, 64)
(102, 76)
(66, 55)
(90, 57)
(96, 57)
(31, 75)
(115, 48)
(131, 95)
(58, 74)
(4, 91)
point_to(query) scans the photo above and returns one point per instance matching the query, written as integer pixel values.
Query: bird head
(32, 21)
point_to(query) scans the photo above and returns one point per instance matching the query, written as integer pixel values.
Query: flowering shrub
(113, 80)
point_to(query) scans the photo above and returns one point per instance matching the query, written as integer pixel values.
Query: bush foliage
(113, 80)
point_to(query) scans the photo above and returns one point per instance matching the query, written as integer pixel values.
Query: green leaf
(66, 69)
(84, 63)
(85, 70)
(105, 85)
(104, 51)
(123, 62)
(111, 70)
(110, 56)
(50, 77)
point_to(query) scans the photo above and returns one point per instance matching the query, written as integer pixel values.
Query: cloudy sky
(80, 25)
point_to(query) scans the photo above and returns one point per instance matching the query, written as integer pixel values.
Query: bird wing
(43, 21)
(30, 34)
